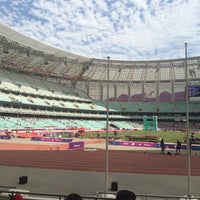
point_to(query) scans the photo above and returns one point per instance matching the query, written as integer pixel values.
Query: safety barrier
(99, 196)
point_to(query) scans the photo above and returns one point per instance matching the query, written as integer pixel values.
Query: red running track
(119, 161)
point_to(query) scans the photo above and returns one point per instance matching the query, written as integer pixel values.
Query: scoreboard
(194, 92)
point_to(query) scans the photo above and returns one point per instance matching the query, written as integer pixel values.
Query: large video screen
(194, 90)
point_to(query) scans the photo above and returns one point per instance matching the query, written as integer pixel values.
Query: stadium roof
(22, 53)
(18, 38)
(32, 55)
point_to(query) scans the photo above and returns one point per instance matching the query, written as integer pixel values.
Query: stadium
(45, 90)
(40, 81)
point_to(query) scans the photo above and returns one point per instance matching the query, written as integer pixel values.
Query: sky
(131, 30)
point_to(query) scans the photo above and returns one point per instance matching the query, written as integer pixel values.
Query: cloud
(123, 30)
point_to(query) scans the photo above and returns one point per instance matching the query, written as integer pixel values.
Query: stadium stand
(54, 83)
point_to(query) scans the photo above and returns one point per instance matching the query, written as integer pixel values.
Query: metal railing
(4, 195)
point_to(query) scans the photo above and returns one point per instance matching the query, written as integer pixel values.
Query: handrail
(98, 196)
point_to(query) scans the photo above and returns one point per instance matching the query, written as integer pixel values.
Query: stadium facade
(45, 82)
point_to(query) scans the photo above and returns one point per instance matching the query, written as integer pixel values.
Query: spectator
(73, 196)
(16, 196)
(125, 195)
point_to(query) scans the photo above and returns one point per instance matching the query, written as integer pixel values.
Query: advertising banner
(75, 145)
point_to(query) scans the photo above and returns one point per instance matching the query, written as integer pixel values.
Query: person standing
(178, 147)
(162, 146)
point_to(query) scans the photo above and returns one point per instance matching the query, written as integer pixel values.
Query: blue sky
(122, 29)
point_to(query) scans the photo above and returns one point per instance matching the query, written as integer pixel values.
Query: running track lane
(119, 161)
